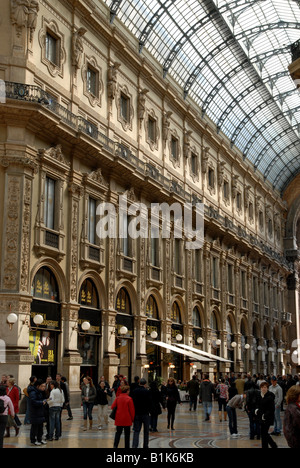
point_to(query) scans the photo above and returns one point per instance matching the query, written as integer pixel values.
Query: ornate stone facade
(61, 137)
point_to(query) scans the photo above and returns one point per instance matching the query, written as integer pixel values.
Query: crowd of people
(263, 398)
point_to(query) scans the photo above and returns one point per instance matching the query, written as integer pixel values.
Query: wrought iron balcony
(36, 95)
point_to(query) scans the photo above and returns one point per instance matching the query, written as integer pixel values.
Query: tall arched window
(153, 352)
(152, 309)
(123, 302)
(197, 328)
(45, 286)
(175, 313)
(44, 339)
(124, 320)
(88, 296)
(88, 341)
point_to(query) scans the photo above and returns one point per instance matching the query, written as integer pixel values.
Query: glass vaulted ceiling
(232, 59)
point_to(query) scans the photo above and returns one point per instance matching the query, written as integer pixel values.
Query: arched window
(123, 303)
(214, 322)
(88, 296)
(45, 285)
(175, 314)
(152, 309)
(196, 318)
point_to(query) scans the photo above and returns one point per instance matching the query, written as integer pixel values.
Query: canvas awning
(185, 352)
(203, 353)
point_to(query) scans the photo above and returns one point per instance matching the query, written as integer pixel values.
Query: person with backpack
(5, 406)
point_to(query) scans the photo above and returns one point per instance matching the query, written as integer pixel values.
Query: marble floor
(191, 432)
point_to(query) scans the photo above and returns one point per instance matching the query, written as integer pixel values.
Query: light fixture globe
(200, 340)
(247, 346)
(12, 319)
(38, 319)
(154, 335)
(179, 337)
(123, 331)
(234, 344)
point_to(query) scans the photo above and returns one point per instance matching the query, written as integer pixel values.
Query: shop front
(45, 324)
(177, 334)
(153, 331)
(124, 334)
(89, 330)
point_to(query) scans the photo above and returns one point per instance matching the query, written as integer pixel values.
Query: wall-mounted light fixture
(11, 318)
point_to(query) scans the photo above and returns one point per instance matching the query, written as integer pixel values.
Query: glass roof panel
(230, 57)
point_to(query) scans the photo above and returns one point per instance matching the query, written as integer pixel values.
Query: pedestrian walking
(266, 413)
(157, 403)
(277, 390)
(67, 395)
(193, 389)
(13, 393)
(6, 405)
(240, 384)
(223, 398)
(142, 404)
(36, 415)
(207, 393)
(172, 398)
(291, 424)
(102, 401)
(236, 402)
(125, 414)
(252, 402)
(88, 396)
(55, 403)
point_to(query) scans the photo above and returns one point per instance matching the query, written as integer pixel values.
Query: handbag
(113, 413)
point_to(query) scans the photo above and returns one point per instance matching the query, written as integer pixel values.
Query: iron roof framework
(231, 58)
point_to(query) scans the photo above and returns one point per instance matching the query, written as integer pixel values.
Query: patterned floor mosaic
(190, 432)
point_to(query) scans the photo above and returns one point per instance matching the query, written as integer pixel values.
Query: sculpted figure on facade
(142, 104)
(112, 80)
(32, 17)
(77, 48)
(19, 14)
(166, 125)
(187, 143)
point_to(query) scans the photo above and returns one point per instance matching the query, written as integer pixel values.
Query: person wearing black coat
(157, 403)
(173, 397)
(143, 404)
(266, 414)
(37, 412)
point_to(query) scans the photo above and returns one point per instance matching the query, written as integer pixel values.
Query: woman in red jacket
(124, 416)
(13, 393)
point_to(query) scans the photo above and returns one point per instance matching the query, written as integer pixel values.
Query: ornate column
(17, 169)
(110, 359)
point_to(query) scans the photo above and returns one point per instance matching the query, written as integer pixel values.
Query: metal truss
(279, 97)
(222, 82)
(270, 144)
(278, 158)
(236, 100)
(187, 37)
(212, 55)
(290, 179)
(153, 21)
(256, 31)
